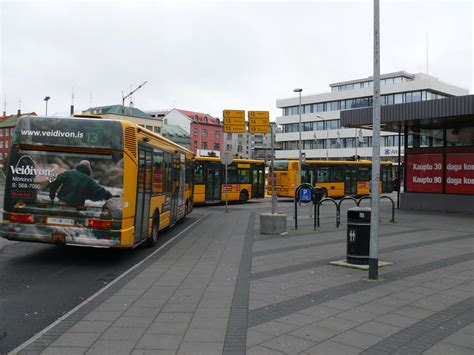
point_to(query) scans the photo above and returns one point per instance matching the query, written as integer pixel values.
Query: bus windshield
(64, 183)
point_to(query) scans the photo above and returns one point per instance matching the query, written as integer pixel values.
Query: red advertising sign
(460, 173)
(424, 173)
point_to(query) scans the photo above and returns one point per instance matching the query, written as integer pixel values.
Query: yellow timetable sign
(234, 121)
(259, 122)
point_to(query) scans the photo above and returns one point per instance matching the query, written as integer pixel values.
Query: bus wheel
(244, 196)
(153, 240)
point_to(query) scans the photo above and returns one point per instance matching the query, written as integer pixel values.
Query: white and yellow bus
(93, 182)
(245, 180)
(336, 178)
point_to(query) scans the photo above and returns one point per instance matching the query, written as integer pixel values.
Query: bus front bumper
(61, 235)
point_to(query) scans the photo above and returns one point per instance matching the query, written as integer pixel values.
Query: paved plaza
(223, 288)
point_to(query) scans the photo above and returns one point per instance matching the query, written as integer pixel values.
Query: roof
(382, 76)
(118, 110)
(192, 114)
(391, 116)
(11, 120)
(174, 131)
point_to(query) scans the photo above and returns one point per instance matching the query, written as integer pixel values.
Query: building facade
(322, 135)
(7, 126)
(176, 134)
(131, 114)
(206, 132)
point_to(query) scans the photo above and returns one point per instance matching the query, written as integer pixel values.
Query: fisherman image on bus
(336, 178)
(93, 182)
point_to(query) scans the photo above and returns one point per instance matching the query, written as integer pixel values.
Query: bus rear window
(281, 165)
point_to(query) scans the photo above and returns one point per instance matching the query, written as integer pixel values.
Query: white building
(249, 146)
(322, 137)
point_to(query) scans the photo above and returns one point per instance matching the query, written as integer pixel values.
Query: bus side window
(337, 175)
(244, 176)
(231, 174)
(158, 171)
(323, 175)
(364, 174)
(168, 171)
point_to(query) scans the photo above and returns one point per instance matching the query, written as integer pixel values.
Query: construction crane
(132, 92)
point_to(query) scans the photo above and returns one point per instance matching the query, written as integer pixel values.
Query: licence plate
(61, 221)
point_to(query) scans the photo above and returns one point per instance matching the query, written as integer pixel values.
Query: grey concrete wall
(437, 202)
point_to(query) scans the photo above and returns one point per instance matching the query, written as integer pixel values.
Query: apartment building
(322, 136)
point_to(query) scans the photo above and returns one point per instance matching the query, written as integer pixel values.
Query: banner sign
(424, 173)
(460, 173)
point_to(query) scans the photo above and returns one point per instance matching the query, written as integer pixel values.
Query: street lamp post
(46, 99)
(298, 90)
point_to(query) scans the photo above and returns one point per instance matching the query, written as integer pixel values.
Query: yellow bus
(245, 177)
(93, 182)
(337, 178)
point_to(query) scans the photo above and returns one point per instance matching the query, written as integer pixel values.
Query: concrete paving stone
(336, 323)
(376, 308)
(396, 320)
(165, 318)
(179, 307)
(332, 348)
(134, 322)
(409, 296)
(202, 312)
(461, 339)
(261, 350)
(469, 329)
(359, 298)
(122, 299)
(159, 341)
(357, 315)
(342, 304)
(85, 326)
(298, 319)
(275, 328)
(320, 312)
(153, 352)
(425, 291)
(211, 323)
(122, 333)
(111, 347)
(289, 344)
(315, 333)
(445, 349)
(102, 316)
(150, 303)
(76, 339)
(113, 307)
(255, 337)
(64, 350)
(200, 349)
(378, 329)
(414, 312)
(357, 339)
(205, 334)
(142, 312)
(171, 328)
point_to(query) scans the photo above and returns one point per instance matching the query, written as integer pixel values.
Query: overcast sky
(215, 55)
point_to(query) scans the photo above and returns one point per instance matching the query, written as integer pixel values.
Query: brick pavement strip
(426, 333)
(275, 311)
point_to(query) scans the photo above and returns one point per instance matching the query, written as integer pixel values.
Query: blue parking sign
(305, 195)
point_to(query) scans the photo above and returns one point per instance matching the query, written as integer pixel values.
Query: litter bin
(358, 235)
(318, 194)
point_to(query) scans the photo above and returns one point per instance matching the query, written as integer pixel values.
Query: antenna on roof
(132, 92)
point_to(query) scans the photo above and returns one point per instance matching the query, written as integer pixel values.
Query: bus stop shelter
(438, 145)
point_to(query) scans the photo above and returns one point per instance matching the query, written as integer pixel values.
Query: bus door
(213, 182)
(350, 181)
(175, 188)
(143, 193)
(258, 181)
(386, 178)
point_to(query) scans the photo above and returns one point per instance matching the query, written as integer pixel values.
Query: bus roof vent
(131, 140)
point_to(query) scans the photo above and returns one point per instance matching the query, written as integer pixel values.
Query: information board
(424, 173)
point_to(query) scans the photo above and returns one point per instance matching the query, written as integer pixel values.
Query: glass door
(350, 181)
(258, 181)
(175, 193)
(213, 183)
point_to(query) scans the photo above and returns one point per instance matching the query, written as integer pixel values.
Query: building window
(6, 144)
(239, 148)
(195, 131)
(217, 134)
(229, 135)
(229, 147)
(195, 118)
(195, 143)
(204, 119)
(204, 145)
(1, 144)
(217, 146)
(150, 128)
(1, 132)
(204, 132)
(156, 129)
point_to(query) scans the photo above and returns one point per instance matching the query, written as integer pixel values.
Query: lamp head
(297, 90)
(46, 98)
